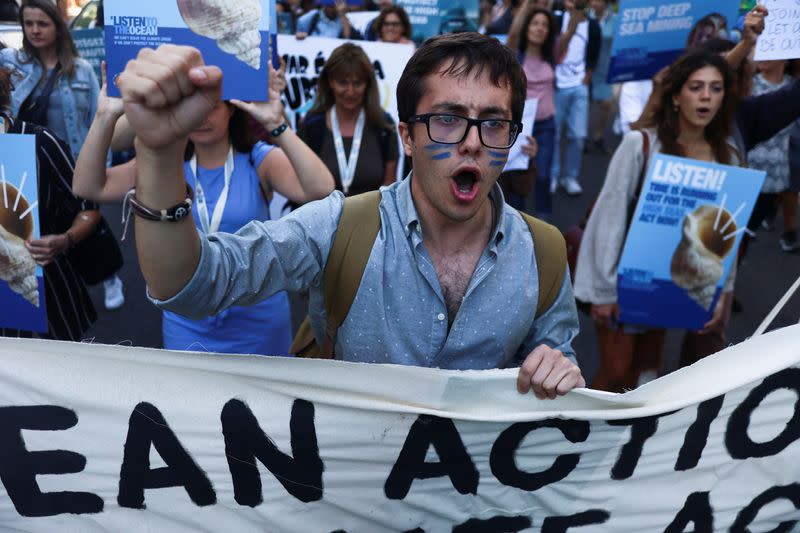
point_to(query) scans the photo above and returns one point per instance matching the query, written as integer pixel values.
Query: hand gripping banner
(105, 438)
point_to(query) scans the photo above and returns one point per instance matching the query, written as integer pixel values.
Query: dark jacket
(759, 118)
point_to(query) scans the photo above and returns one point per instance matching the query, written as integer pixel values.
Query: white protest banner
(305, 59)
(781, 36)
(107, 438)
(516, 159)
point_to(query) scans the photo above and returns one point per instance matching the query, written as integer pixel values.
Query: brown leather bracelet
(173, 214)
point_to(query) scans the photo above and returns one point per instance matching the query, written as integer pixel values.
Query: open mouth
(703, 111)
(465, 185)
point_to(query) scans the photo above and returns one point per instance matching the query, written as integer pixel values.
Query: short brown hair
(460, 55)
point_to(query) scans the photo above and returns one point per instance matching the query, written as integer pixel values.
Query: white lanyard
(200, 196)
(347, 165)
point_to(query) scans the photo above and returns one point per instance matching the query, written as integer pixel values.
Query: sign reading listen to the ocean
(231, 35)
(21, 282)
(683, 240)
(650, 34)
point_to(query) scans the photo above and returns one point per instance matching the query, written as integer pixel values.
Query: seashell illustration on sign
(232, 24)
(708, 237)
(17, 267)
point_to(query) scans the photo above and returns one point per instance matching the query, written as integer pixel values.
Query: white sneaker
(114, 298)
(572, 186)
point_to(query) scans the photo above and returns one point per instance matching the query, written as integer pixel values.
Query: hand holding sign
(754, 23)
(167, 93)
(268, 114)
(109, 105)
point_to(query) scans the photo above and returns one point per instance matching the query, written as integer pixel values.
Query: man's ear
(405, 137)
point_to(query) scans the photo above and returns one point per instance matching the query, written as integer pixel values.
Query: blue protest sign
(234, 36)
(683, 239)
(434, 17)
(91, 47)
(21, 279)
(650, 34)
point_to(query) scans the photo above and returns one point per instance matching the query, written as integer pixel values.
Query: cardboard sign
(91, 47)
(22, 301)
(781, 36)
(650, 34)
(234, 36)
(108, 438)
(683, 240)
(434, 17)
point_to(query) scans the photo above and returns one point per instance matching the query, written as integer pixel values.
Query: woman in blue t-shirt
(232, 177)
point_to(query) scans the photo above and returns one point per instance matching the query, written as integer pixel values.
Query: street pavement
(764, 276)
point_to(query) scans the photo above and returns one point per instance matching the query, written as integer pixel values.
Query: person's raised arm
(92, 180)
(753, 26)
(562, 43)
(295, 170)
(515, 31)
(167, 93)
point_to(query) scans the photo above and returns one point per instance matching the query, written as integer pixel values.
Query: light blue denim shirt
(399, 314)
(78, 95)
(325, 26)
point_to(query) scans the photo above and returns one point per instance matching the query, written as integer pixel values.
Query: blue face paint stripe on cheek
(436, 146)
(439, 157)
(498, 154)
(497, 163)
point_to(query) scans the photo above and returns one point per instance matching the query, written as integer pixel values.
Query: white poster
(109, 438)
(781, 36)
(516, 159)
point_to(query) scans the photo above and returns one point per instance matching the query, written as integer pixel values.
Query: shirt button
(441, 316)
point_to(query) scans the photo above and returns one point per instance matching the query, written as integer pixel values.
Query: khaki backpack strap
(355, 236)
(550, 250)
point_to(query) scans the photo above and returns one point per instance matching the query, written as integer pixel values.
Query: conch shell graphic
(697, 264)
(232, 23)
(17, 267)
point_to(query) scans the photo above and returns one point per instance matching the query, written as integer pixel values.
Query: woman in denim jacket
(47, 44)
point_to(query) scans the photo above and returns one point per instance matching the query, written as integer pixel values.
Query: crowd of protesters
(711, 105)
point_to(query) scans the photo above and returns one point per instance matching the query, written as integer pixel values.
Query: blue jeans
(572, 111)
(540, 202)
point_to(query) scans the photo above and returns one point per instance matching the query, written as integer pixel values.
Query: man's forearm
(168, 251)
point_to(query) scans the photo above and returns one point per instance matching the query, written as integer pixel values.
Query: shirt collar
(410, 219)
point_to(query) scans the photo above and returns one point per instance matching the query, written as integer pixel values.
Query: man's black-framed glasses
(446, 128)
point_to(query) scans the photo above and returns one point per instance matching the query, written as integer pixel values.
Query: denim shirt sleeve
(304, 22)
(259, 260)
(557, 327)
(94, 87)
